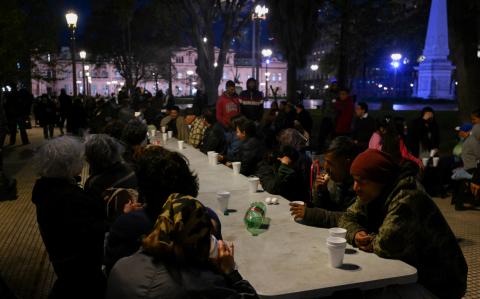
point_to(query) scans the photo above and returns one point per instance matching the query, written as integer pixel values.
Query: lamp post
(396, 57)
(189, 75)
(314, 68)
(260, 13)
(72, 19)
(88, 79)
(83, 55)
(266, 53)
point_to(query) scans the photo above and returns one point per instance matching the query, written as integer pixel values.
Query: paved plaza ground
(24, 263)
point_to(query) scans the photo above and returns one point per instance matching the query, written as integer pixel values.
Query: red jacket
(227, 107)
(344, 109)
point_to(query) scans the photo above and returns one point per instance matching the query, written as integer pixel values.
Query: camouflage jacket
(408, 226)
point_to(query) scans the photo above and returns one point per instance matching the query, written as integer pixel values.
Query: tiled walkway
(24, 263)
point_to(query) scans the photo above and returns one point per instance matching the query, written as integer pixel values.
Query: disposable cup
(236, 167)
(164, 129)
(164, 137)
(336, 253)
(170, 134)
(337, 232)
(180, 144)
(253, 184)
(222, 199)
(435, 161)
(425, 161)
(298, 202)
(152, 133)
(213, 158)
(336, 241)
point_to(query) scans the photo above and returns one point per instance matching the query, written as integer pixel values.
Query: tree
(464, 21)
(133, 34)
(203, 15)
(293, 24)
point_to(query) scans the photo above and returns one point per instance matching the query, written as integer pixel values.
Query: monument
(435, 71)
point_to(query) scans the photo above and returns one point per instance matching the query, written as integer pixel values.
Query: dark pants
(461, 192)
(61, 122)
(48, 131)
(12, 127)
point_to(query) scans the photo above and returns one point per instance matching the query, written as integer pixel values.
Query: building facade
(53, 72)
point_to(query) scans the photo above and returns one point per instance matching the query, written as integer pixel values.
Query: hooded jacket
(409, 226)
(227, 107)
(251, 103)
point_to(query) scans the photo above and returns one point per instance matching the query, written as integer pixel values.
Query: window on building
(104, 74)
(117, 74)
(94, 89)
(179, 75)
(225, 77)
(279, 76)
(179, 59)
(274, 77)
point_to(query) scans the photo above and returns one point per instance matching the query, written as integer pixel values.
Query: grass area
(447, 121)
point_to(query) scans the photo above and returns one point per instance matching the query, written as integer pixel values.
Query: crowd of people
(135, 229)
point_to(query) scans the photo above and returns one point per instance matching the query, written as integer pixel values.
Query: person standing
(228, 105)
(344, 113)
(16, 115)
(65, 105)
(251, 101)
(47, 116)
(363, 127)
(304, 118)
(424, 135)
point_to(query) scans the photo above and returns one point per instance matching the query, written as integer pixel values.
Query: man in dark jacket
(251, 150)
(65, 102)
(304, 118)
(251, 101)
(395, 218)
(424, 134)
(214, 137)
(16, 111)
(334, 188)
(363, 127)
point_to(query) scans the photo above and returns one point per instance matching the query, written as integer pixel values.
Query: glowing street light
(266, 53)
(260, 13)
(314, 67)
(72, 19)
(205, 40)
(396, 56)
(83, 56)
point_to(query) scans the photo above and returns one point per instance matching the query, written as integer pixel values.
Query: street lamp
(314, 67)
(260, 13)
(83, 55)
(72, 19)
(266, 53)
(396, 57)
(189, 75)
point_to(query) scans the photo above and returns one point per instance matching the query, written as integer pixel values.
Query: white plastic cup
(435, 161)
(152, 133)
(164, 129)
(336, 250)
(180, 144)
(170, 134)
(213, 159)
(298, 202)
(425, 161)
(236, 167)
(253, 184)
(337, 232)
(164, 137)
(222, 199)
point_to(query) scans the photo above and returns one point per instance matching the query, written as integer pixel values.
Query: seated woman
(160, 173)
(107, 172)
(180, 258)
(134, 135)
(70, 221)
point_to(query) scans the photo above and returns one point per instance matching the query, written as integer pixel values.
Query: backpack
(116, 198)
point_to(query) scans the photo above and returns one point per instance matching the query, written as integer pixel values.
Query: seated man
(395, 218)
(214, 137)
(195, 128)
(175, 123)
(334, 188)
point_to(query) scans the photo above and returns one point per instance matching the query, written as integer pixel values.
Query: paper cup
(213, 159)
(298, 202)
(336, 253)
(253, 184)
(152, 133)
(222, 199)
(425, 161)
(180, 144)
(236, 167)
(435, 161)
(337, 232)
(164, 129)
(170, 134)
(164, 137)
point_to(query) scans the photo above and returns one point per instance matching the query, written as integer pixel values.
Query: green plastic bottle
(254, 217)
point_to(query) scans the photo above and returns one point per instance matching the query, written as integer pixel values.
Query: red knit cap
(376, 166)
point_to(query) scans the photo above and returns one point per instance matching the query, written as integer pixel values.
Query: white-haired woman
(70, 221)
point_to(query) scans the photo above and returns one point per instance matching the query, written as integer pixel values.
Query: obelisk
(435, 71)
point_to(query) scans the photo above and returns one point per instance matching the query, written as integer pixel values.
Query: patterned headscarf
(183, 224)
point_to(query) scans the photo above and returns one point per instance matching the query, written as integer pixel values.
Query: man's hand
(220, 158)
(475, 189)
(225, 261)
(364, 241)
(285, 160)
(297, 211)
(321, 181)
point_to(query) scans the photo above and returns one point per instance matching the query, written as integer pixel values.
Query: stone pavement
(25, 267)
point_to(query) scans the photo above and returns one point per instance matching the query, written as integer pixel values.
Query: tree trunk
(343, 49)
(468, 93)
(291, 82)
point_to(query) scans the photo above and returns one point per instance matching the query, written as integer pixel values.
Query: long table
(288, 260)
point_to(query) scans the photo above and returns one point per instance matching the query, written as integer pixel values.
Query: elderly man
(395, 218)
(334, 189)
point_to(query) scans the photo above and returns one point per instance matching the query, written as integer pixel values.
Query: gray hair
(102, 151)
(293, 138)
(61, 157)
